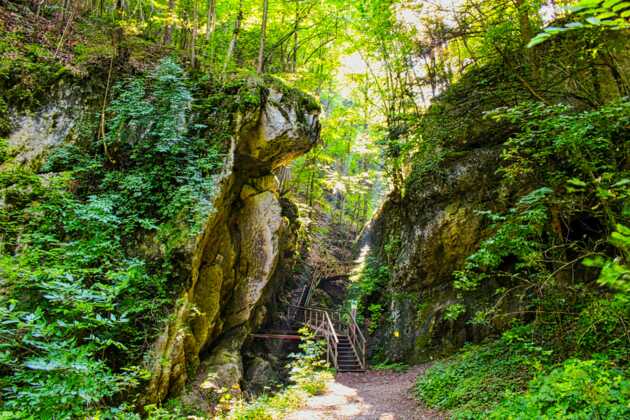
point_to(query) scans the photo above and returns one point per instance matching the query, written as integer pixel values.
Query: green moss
(27, 72)
(294, 96)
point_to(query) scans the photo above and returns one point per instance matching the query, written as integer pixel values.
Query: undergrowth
(471, 382)
(85, 285)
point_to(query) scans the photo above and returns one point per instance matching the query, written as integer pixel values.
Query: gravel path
(374, 395)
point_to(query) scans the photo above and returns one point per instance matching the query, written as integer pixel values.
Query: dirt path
(375, 395)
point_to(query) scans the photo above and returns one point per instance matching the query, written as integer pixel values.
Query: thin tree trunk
(525, 27)
(234, 40)
(193, 41)
(263, 36)
(101, 131)
(65, 30)
(211, 27)
(212, 19)
(168, 33)
(296, 25)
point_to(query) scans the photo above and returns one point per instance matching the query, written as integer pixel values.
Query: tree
(234, 40)
(263, 34)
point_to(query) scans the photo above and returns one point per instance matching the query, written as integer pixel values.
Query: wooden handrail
(322, 322)
(357, 341)
(319, 320)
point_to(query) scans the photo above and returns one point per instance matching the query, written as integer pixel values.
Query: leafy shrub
(452, 312)
(578, 390)
(307, 369)
(519, 233)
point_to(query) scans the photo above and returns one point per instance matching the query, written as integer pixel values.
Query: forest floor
(374, 395)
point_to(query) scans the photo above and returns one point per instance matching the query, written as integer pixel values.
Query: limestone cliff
(233, 260)
(433, 222)
(430, 232)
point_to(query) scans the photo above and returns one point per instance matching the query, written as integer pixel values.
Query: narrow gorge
(314, 209)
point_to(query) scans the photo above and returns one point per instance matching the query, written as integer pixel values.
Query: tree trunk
(525, 28)
(234, 40)
(193, 41)
(212, 19)
(296, 25)
(168, 33)
(263, 35)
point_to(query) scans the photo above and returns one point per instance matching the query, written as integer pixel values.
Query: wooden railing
(319, 320)
(327, 324)
(357, 340)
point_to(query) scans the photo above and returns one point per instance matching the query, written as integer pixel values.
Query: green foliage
(5, 152)
(307, 367)
(364, 289)
(376, 312)
(600, 14)
(578, 389)
(79, 303)
(490, 381)
(454, 311)
(615, 274)
(474, 380)
(587, 146)
(518, 234)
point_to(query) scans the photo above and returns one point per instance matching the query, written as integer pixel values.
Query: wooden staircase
(345, 343)
(347, 359)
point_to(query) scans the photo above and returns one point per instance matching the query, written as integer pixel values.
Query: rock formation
(233, 261)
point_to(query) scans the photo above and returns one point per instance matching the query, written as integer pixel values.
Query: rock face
(232, 263)
(41, 130)
(426, 235)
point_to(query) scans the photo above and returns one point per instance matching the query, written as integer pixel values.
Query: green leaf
(538, 39)
(576, 182)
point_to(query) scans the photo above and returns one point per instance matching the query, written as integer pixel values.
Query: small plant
(454, 311)
(308, 369)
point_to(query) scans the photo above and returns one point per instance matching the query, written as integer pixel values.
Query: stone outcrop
(37, 132)
(426, 231)
(430, 231)
(232, 263)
